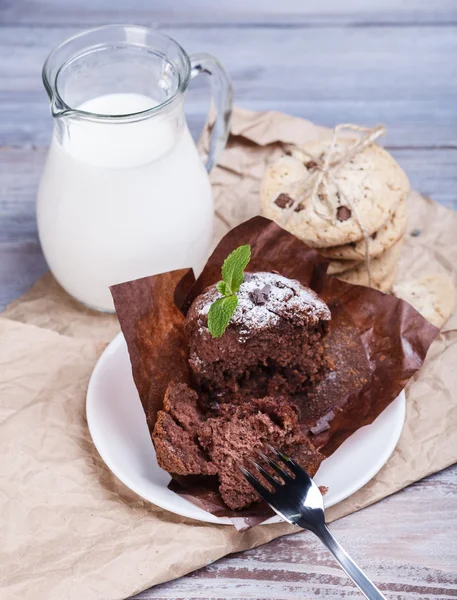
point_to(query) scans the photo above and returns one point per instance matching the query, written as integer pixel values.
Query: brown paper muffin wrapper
(376, 342)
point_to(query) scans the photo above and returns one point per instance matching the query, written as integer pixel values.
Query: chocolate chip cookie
(363, 190)
(382, 239)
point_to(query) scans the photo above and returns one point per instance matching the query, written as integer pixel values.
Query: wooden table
(330, 61)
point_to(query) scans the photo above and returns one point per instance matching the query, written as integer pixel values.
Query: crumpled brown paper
(68, 528)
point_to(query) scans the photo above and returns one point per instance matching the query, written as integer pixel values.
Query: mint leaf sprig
(221, 311)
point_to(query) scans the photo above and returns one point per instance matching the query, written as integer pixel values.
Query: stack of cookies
(349, 204)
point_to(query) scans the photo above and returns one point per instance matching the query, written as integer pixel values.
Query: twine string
(322, 173)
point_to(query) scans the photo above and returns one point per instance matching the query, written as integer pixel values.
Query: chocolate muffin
(272, 345)
(246, 384)
(191, 442)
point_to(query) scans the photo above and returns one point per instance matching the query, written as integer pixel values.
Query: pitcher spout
(59, 109)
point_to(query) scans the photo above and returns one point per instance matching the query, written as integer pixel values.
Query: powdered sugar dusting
(266, 298)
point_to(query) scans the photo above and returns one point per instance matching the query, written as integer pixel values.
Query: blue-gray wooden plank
(404, 77)
(229, 13)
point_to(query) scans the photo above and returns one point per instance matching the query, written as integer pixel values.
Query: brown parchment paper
(68, 528)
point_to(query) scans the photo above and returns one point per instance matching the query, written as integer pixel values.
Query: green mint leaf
(233, 267)
(222, 288)
(220, 313)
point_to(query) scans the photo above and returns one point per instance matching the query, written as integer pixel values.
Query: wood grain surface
(405, 543)
(390, 61)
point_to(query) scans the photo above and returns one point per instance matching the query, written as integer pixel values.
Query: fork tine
(286, 476)
(259, 488)
(296, 469)
(275, 484)
(285, 459)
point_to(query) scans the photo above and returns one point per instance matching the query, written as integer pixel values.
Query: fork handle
(368, 588)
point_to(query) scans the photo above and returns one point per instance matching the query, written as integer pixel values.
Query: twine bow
(322, 173)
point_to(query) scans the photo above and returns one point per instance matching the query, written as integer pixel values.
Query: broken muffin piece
(188, 442)
(271, 346)
(236, 434)
(175, 433)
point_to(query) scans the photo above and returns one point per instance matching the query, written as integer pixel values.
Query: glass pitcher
(124, 193)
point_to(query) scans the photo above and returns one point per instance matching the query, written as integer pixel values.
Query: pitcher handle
(223, 100)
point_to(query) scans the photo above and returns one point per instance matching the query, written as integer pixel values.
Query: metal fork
(298, 500)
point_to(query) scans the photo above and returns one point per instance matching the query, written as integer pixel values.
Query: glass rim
(64, 108)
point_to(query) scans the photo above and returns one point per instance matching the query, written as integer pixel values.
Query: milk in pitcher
(119, 201)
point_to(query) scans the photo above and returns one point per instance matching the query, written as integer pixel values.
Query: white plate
(118, 428)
